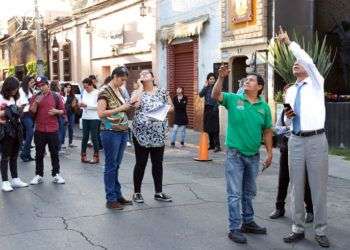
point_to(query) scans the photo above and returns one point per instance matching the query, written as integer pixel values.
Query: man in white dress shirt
(308, 146)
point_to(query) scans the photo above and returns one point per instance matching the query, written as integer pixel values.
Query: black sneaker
(137, 197)
(162, 197)
(172, 145)
(217, 149)
(253, 228)
(277, 213)
(294, 237)
(237, 236)
(322, 240)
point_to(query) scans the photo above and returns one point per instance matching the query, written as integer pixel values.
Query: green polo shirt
(246, 122)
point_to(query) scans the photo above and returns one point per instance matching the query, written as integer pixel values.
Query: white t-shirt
(24, 99)
(90, 99)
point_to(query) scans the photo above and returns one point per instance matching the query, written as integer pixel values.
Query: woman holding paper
(149, 130)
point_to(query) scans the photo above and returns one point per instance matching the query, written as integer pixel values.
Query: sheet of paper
(159, 114)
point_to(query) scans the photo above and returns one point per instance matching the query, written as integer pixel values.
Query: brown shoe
(84, 158)
(95, 159)
(124, 201)
(114, 205)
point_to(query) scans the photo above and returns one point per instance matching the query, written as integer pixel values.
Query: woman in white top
(90, 119)
(25, 93)
(11, 133)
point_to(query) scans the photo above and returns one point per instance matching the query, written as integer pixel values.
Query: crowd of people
(43, 110)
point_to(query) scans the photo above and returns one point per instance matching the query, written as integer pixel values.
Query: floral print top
(147, 131)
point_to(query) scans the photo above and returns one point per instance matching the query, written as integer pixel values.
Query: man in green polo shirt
(249, 117)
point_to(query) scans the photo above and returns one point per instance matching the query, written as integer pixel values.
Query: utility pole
(39, 55)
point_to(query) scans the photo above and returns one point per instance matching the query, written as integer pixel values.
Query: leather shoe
(114, 205)
(278, 213)
(237, 236)
(294, 237)
(322, 240)
(124, 201)
(309, 217)
(253, 228)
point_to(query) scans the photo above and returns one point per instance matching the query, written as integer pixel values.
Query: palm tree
(282, 59)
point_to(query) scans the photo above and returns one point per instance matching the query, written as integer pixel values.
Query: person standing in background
(71, 107)
(47, 106)
(181, 119)
(25, 93)
(12, 133)
(90, 120)
(211, 123)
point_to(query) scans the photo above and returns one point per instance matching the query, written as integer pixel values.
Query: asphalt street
(73, 216)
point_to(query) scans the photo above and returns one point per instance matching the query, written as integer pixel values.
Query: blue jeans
(28, 124)
(114, 145)
(182, 128)
(241, 172)
(61, 130)
(71, 122)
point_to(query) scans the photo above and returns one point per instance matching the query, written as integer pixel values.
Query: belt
(309, 133)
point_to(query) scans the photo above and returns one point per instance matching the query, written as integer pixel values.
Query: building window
(67, 72)
(55, 65)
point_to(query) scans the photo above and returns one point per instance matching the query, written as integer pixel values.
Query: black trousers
(42, 139)
(9, 154)
(141, 154)
(283, 183)
(214, 140)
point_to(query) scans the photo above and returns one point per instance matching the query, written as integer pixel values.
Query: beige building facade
(103, 36)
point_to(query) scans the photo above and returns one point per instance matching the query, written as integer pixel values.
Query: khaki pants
(310, 152)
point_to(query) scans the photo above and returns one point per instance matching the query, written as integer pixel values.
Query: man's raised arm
(217, 89)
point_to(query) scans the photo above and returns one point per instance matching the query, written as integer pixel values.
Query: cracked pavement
(73, 216)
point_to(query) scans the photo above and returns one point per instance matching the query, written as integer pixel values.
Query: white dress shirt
(312, 100)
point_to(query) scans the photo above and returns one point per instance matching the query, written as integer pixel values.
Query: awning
(183, 29)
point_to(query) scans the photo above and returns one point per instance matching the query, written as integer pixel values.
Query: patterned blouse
(147, 131)
(118, 121)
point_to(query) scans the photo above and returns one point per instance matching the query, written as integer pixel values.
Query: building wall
(171, 11)
(91, 32)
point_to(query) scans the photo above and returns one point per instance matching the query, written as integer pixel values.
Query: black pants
(9, 154)
(283, 182)
(214, 140)
(90, 127)
(141, 154)
(42, 139)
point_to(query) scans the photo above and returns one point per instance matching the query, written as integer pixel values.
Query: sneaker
(36, 180)
(322, 240)
(58, 179)
(237, 236)
(18, 183)
(63, 147)
(182, 144)
(162, 197)
(172, 145)
(72, 146)
(6, 186)
(137, 197)
(253, 228)
(128, 144)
